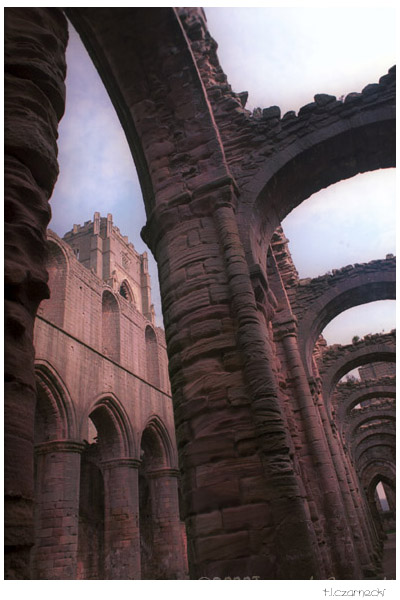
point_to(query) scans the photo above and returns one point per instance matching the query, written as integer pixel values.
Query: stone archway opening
(57, 269)
(56, 480)
(153, 459)
(108, 501)
(162, 538)
(90, 563)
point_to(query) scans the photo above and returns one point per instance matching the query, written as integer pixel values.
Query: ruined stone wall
(267, 488)
(337, 360)
(95, 520)
(314, 291)
(348, 394)
(376, 371)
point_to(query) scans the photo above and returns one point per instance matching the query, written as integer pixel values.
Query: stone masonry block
(219, 547)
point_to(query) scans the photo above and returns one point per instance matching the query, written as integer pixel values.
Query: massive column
(35, 42)
(121, 519)
(169, 555)
(342, 550)
(240, 490)
(57, 510)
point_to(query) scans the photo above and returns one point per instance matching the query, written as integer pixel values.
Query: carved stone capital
(61, 446)
(116, 463)
(156, 473)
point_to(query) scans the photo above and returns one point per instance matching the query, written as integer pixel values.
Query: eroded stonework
(271, 484)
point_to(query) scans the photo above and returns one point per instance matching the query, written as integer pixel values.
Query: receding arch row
(355, 424)
(378, 470)
(345, 400)
(58, 420)
(339, 360)
(114, 424)
(343, 290)
(381, 442)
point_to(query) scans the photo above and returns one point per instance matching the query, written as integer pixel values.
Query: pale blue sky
(281, 57)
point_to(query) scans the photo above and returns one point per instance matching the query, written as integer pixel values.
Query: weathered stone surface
(253, 419)
(35, 41)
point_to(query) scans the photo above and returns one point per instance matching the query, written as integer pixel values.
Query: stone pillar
(57, 509)
(337, 454)
(121, 519)
(339, 535)
(363, 518)
(239, 485)
(34, 57)
(339, 460)
(168, 550)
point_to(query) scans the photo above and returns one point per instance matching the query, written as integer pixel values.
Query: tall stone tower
(100, 246)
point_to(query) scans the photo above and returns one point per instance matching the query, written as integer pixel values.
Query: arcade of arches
(271, 461)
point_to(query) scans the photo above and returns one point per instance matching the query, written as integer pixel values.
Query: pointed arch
(126, 292)
(57, 267)
(55, 412)
(115, 435)
(156, 438)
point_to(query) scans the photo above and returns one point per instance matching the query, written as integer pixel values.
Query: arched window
(126, 292)
(53, 309)
(153, 374)
(110, 326)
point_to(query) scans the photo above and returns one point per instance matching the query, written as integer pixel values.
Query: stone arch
(382, 518)
(152, 362)
(384, 415)
(380, 442)
(110, 325)
(146, 122)
(56, 474)
(55, 413)
(344, 289)
(106, 489)
(159, 519)
(377, 470)
(330, 153)
(159, 439)
(113, 424)
(57, 267)
(383, 478)
(346, 398)
(339, 360)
